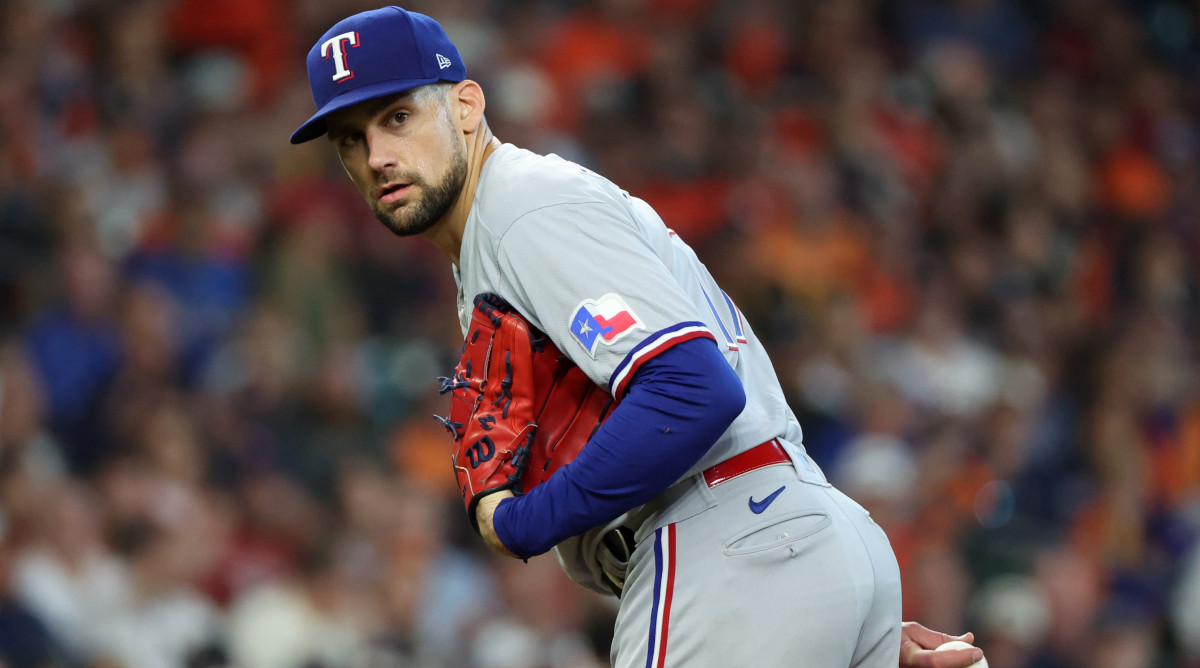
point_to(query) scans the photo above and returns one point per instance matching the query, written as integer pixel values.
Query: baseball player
(695, 500)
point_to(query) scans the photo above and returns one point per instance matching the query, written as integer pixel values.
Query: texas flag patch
(604, 320)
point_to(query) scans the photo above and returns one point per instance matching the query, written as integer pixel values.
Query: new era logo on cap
(375, 54)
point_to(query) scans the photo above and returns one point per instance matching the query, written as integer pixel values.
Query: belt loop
(806, 467)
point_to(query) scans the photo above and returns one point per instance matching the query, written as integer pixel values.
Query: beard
(435, 199)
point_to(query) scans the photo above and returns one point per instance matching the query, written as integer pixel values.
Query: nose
(381, 153)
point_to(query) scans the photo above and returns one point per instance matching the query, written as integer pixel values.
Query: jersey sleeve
(589, 276)
(679, 405)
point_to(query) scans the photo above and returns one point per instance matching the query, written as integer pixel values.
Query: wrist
(485, 514)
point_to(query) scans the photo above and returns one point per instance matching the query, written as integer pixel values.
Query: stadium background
(966, 229)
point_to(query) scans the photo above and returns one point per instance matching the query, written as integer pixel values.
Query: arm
(677, 405)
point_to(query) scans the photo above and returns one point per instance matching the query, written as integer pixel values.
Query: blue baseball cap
(373, 54)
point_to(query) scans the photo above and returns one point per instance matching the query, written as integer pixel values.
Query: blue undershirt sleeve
(677, 405)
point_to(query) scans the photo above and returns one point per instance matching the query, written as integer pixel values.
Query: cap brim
(315, 126)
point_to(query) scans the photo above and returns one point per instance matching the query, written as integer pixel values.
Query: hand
(917, 644)
(484, 512)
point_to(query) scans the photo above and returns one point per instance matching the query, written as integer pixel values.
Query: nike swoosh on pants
(758, 507)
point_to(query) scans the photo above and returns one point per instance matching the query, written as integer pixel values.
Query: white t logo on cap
(334, 45)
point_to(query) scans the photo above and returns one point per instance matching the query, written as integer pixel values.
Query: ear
(468, 105)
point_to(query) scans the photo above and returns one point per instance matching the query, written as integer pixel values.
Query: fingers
(921, 636)
(917, 644)
(954, 658)
(959, 658)
(929, 639)
(950, 658)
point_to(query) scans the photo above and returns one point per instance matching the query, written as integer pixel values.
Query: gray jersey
(601, 274)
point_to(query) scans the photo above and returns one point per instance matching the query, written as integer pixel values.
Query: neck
(447, 234)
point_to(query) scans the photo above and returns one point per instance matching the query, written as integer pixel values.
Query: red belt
(770, 453)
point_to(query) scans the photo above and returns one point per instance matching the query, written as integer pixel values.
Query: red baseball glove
(519, 408)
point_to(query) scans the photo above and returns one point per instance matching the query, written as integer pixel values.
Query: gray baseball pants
(808, 580)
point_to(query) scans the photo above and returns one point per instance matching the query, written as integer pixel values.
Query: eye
(398, 118)
(348, 140)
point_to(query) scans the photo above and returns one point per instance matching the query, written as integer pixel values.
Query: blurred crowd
(966, 229)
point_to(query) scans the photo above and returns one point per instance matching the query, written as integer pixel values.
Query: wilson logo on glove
(519, 408)
(476, 453)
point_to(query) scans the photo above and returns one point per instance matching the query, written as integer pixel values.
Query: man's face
(405, 155)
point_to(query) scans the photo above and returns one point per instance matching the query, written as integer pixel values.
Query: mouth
(393, 192)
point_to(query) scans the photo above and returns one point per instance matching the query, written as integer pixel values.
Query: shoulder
(516, 182)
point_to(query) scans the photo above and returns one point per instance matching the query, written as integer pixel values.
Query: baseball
(958, 644)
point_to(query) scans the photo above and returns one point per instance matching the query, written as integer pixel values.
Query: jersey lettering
(734, 333)
(333, 46)
(739, 330)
